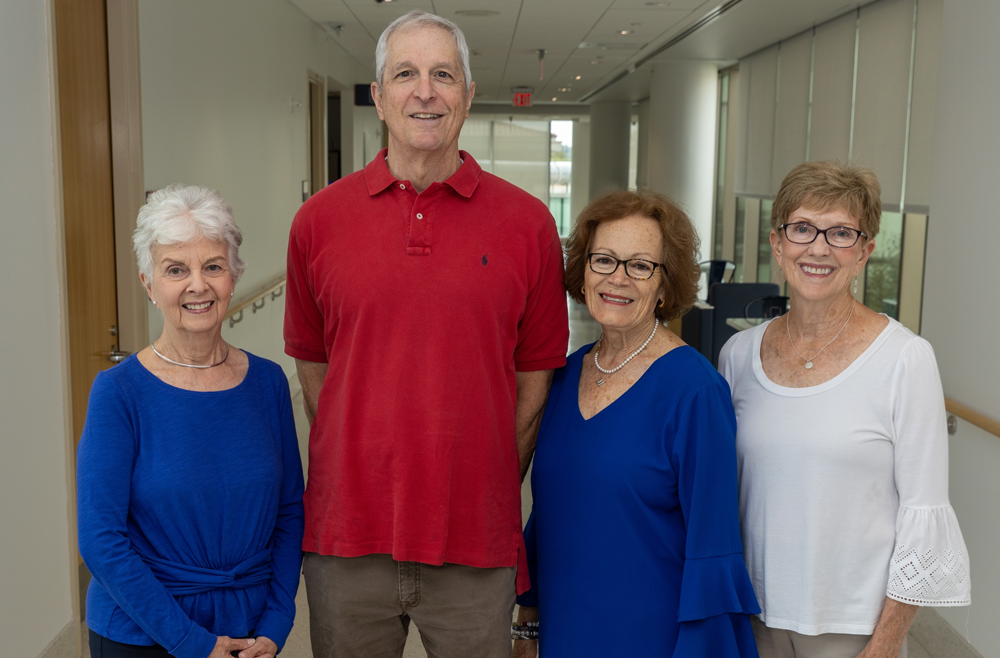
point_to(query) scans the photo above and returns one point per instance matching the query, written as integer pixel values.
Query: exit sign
(522, 99)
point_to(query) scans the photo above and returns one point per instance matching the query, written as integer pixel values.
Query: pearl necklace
(189, 365)
(809, 362)
(600, 382)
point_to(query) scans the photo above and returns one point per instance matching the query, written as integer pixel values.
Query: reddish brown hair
(679, 257)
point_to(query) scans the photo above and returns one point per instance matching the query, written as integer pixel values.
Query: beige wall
(961, 311)
(218, 83)
(36, 577)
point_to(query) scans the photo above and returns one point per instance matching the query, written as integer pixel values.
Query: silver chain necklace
(809, 362)
(600, 382)
(189, 365)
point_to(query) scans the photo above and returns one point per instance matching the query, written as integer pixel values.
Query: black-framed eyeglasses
(635, 268)
(841, 237)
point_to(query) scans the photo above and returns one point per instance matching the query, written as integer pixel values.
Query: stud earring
(154, 302)
(660, 305)
(855, 287)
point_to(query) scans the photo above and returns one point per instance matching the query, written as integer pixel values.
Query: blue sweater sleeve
(286, 546)
(716, 594)
(104, 476)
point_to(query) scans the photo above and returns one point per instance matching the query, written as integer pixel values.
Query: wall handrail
(256, 299)
(979, 420)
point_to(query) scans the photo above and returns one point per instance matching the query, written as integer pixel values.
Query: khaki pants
(777, 643)
(361, 607)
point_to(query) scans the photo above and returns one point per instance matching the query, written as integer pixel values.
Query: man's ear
(377, 96)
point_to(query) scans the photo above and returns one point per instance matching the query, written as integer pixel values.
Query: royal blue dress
(634, 535)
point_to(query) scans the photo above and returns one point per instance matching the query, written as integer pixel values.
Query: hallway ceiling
(581, 37)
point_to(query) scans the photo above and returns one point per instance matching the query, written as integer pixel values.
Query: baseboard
(64, 645)
(939, 637)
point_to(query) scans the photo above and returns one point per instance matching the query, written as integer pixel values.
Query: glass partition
(882, 274)
(764, 242)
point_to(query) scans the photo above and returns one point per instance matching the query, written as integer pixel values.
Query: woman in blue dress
(634, 536)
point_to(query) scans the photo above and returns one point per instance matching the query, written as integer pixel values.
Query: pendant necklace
(809, 362)
(600, 382)
(189, 365)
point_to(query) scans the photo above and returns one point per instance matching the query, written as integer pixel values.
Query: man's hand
(311, 376)
(262, 648)
(532, 392)
(225, 646)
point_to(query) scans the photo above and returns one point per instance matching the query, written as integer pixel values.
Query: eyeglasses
(841, 237)
(635, 268)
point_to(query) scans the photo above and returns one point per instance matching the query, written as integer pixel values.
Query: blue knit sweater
(190, 509)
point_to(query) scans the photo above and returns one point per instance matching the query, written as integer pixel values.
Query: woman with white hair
(189, 478)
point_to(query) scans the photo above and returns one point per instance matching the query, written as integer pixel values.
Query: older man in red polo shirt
(425, 312)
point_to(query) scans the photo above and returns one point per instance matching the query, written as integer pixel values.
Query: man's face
(423, 99)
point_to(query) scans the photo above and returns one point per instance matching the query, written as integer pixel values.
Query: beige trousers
(361, 607)
(778, 643)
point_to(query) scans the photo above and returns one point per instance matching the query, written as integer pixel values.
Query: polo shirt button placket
(402, 186)
(420, 215)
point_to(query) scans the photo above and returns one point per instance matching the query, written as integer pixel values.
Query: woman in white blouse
(841, 441)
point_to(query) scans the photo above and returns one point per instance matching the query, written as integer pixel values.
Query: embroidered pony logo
(484, 260)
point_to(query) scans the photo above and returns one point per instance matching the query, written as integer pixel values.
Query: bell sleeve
(716, 596)
(930, 563)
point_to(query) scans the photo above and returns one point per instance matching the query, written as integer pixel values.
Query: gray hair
(186, 213)
(417, 18)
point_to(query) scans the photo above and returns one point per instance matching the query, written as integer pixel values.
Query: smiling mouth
(426, 116)
(614, 299)
(816, 270)
(198, 307)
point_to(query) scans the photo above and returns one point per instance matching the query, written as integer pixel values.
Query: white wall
(218, 80)
(681, 156)
(367, 135)
(961, 313)
(36, 578)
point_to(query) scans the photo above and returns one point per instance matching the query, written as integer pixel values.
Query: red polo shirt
(424, 306)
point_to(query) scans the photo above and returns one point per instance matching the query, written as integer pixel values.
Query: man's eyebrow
(410, 65)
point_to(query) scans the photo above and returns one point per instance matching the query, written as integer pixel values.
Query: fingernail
(251, 640)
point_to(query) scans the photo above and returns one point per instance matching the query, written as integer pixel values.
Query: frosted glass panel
(475, 140)
(521, 155)
(833, 82)
(793, 107)
(886, 34)
(925, 86)
(758, 141)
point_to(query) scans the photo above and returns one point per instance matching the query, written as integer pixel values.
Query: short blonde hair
(827, 186)
(679, 257)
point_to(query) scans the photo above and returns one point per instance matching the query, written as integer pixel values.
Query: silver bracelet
(526, 631)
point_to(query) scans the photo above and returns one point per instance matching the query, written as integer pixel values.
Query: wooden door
(88, 206)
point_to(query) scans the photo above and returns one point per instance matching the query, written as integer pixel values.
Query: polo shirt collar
(464, 181)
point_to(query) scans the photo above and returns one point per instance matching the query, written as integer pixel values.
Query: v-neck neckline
(579, 376)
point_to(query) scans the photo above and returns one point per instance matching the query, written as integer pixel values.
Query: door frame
(126, 167)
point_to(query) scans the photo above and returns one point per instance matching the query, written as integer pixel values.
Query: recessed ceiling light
(596, 61)
(657, 4)
(624, 32)
(477, 13)
(553, 98)
(578, 77)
